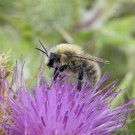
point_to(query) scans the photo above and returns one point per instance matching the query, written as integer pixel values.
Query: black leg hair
(56, 73)
(60, 69)
(80, 77)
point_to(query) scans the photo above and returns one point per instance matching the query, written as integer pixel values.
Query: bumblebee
(69, 57)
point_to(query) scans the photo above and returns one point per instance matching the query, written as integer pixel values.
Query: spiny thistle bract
(61, 110)
(4, 68)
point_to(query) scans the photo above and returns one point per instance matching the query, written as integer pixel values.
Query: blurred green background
(104, 28)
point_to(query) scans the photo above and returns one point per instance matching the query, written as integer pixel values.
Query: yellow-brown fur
(62, 48)
(91, 68)
(70, 57)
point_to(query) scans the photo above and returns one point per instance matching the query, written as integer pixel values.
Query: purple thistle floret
(62, 110)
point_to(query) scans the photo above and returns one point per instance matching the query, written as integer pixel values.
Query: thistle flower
(5, 70)
(4, 59)
(62, 110)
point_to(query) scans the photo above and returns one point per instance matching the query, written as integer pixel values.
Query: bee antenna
(43, 46)
(42, 51)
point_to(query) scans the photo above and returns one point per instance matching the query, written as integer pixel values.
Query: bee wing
(91, 58)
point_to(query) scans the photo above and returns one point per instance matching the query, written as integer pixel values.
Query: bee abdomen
(91, 75)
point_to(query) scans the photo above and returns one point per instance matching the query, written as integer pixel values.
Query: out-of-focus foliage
(104, 28)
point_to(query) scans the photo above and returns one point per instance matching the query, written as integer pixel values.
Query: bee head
(53, 60)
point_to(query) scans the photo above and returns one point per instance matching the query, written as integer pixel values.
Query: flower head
(62, 110)
(4, 59)
(4, 72)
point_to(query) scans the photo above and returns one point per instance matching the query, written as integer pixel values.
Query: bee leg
(55, 71)
(80, 78)
(60, 69)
